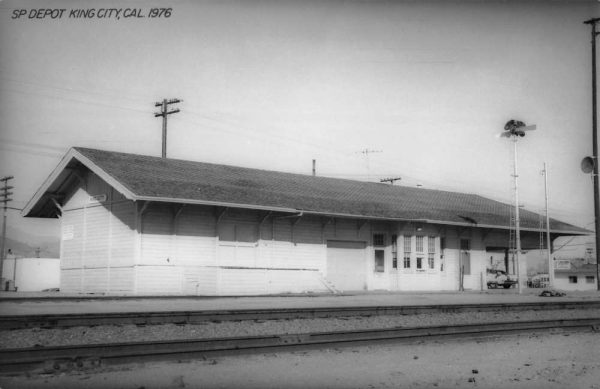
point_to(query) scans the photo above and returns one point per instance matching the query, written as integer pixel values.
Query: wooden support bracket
(144, 207)
(56, 204)
(221, 214)
(264, 219)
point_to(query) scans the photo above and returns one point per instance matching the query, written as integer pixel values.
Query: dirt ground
(550, 360)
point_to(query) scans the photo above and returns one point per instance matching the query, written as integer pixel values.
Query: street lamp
(515, 129)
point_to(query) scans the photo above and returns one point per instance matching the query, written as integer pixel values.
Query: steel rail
(10, 322)
(61, 358)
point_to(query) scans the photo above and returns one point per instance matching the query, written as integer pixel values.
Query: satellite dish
(587, 165)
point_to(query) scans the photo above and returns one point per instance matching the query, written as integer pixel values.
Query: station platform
(24, 303)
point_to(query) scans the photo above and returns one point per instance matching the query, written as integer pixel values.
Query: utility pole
(593, 23)
(548, 243)
(164, 112)
(4, 193)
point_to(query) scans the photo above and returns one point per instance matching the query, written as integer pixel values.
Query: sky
(424, 87)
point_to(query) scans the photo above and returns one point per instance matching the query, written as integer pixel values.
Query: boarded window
(465, 256)
(237, 232)
(590, 279)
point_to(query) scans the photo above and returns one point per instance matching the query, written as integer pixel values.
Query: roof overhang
(44, 202)
(67, 169)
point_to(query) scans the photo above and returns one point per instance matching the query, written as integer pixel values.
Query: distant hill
(48, 249)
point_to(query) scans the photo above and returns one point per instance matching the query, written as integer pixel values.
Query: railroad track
(11, 322)
(62, 358)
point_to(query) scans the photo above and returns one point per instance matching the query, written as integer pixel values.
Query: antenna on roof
(366, 152)
(390, 180)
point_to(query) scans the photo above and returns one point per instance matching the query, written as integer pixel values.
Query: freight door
(347, 265)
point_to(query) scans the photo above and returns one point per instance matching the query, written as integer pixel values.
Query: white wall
(561, 282)
(33, 274)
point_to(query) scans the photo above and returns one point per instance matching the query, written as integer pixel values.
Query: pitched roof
(141, 177)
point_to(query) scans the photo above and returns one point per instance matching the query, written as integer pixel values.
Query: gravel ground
(534, 361)
(130, 333)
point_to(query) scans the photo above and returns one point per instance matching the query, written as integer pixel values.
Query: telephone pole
(548, 242)
(4, 193)
(595, 33)
(164, 112)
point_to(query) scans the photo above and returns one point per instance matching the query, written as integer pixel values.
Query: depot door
(346, 265)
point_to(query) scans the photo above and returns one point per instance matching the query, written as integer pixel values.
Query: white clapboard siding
(97, 219)
(207, 281)
(122, 234)
(121, 280)
(72, 239)
(157, 231)
(71, 280)
(200, 280)
(195, 238)
(159, 280)
(95, 280)
(238, 282)
(294, 281)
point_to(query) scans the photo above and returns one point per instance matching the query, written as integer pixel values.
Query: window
(431, 252)
(394, 251)
(590, 279)
(379, 241)
(420, 251)
(407, 251)
(572, 279)
(442, 247)
(419, 263)
(420, 244)
(379, 261)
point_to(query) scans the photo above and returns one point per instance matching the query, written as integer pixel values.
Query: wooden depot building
(140, 225)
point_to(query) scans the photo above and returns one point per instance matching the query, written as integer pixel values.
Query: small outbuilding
(575, 274)
(142, 225)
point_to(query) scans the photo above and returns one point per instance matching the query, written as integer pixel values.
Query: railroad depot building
(141, 225)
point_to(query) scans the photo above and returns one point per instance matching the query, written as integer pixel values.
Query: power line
(74, 100)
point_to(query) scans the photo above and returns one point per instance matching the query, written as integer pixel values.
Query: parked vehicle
(499, 279)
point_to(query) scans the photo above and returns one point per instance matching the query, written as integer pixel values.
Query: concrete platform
(12, 303)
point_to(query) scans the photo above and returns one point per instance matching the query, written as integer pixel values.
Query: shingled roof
(141, 177)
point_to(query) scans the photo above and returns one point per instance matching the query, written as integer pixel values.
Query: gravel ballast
(37, 337)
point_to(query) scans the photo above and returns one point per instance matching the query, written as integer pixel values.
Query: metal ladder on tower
(512, 243)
